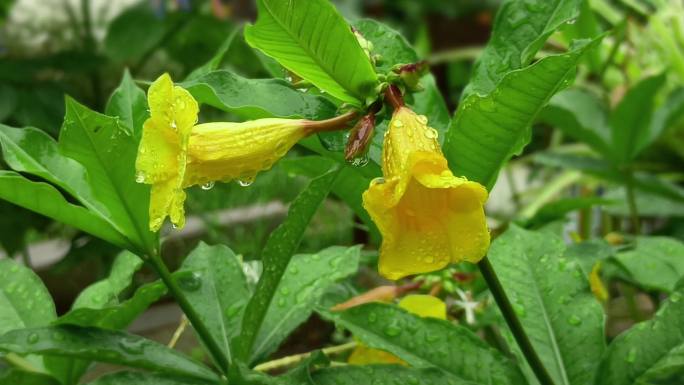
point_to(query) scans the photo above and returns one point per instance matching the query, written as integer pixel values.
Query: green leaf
(490, 128)
(44, 199)
(95, 298)
(427, 343)
(388, 43)
(257, 98)
(311, 39)
(93, 139)
(383, 374)
(222, 293)
(24, 300)
(589, 252)
(129, 104)
(34, 152)
(276, 256)
(630, 122)
(133, 33)
(142, 378)
(300, 288)
(655, 263)
(107, 291)
(18, 377)
(651, 352)
(215, 62)
(551, 296)
(561, 208)
(520, 29)
(581, 115)
(668, 114)
(104, 346)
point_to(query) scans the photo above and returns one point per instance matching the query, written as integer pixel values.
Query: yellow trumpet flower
(176, 153)
(420, 305)
(428, 217)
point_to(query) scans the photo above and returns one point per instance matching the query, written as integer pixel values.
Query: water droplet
(207, 186)
(132, 346)
(245, 182)
(191, 282)
(140, 177)
(316, 257)
(520, 310)
(377, 181)
(284, 291)
(675, 297)
(422, 119)
(431, 133)
(431, 337)
(32, 338)
(572, 21)
(372, 317)
(398, 123)
(282, 302)
(174, 225)
(294, 270)
(58, 336)
(574, 320)
(488, 105)
(359, 161)
(392, 330)
(173, 125)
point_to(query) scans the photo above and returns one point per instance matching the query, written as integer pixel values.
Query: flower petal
(424, 306)
(162, 151)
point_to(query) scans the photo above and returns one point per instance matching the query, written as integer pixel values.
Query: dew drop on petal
(398, 123)
(431, 133)
(422, 119)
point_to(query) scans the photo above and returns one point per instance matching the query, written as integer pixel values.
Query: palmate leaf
(309, 38)
(655, 263)
(631, 120)
(488, 129)
(301, 287)
(257, 98)
(651, 352)
(552, 299)
(276, 256)
(218, 291)
(101, 345)
(428, 343)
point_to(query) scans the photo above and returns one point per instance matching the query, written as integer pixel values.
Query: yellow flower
(420, 305)
(175, 153)
(427, 216)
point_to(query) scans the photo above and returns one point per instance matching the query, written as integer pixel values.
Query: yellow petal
(162, 151)
(596, 283)
(227, 151)
(424, 306)
(427, 216)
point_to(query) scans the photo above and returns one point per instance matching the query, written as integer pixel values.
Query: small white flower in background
(467, 304)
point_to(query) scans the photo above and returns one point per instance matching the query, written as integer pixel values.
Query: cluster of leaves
(74, 181)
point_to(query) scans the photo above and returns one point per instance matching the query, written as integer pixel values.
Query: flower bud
(360, 138)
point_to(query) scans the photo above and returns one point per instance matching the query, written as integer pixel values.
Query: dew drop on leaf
(33, 338)
(191, 282)
(207, 186)
(574, 320)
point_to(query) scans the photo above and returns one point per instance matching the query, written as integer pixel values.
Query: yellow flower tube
(176, 153)
(428, 217)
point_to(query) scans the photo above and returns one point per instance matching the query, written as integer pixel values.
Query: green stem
(620, 34)
(513, 322)
(189, 311)
(631, 201)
